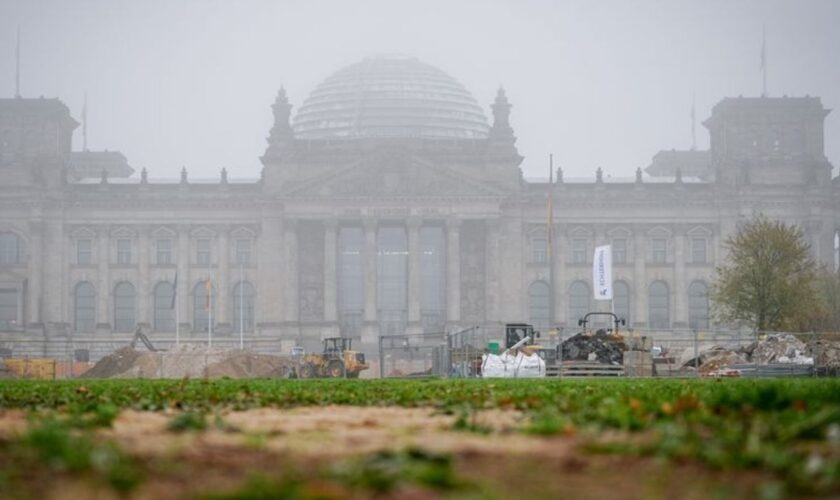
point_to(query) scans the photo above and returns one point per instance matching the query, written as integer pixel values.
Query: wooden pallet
(589, 369)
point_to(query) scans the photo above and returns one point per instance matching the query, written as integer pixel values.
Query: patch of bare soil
(304, 442)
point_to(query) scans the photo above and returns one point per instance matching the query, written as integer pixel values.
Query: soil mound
(185, 360)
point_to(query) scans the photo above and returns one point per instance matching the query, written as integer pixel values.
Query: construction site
(515, 350)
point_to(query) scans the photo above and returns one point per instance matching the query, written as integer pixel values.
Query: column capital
(453, 223)
(370, 224)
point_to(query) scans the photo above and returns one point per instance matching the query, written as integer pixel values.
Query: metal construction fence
(628, 353)
(456, 354)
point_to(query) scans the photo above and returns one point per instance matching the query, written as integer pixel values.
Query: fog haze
(598, 84)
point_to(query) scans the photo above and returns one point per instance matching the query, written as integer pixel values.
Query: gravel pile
(186, 360)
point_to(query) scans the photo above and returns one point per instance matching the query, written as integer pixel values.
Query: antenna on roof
(17, 64)
(763, 61)
(84, 124)
(693, 126)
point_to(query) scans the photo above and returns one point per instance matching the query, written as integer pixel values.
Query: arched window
(84, 306)
(124, 312)
(698, 305)
(539, 303)
(9, 248)
(164, 307)
(578, 301)
(659, 305)
(204, 306)
(243, 307)
(621, 300)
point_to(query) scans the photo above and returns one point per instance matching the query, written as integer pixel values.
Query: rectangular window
(660, 250)
(243, 252)
(164, 251)
(539, 250)
(578, 251)
(123, 251)
(202, 252)
(619, 251)
(8, 308)
(698, 250)
(84, 252)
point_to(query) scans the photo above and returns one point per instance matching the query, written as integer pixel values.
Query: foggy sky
(608, 84)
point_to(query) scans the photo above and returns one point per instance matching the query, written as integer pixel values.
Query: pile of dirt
(113, 364)
(186, 360)
(246, 364)
(593, 347)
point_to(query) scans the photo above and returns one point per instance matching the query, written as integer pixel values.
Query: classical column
(103, 292)
(290, 236)
(35, 275)
(370, 330)
(271, 276)
(453, 270)
(414, 325)
(680, 291)
(143, 291)
(640, 318)
(184, 279)
(330, 275)
(59, 291)
(492, 264)
(560, 286)
(221, 315)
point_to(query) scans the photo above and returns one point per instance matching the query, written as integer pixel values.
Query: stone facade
(365, 235)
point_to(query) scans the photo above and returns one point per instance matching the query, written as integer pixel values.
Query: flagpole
(550, 237)
(177, 320)
(241, 309)
(210, 313)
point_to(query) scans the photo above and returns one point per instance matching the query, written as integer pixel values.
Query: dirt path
(497, 462)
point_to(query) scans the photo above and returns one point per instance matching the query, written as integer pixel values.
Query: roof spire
(693, 126)
(17, 64)
(282, 129)
(84, 124)
(501, 114)
(763, 61)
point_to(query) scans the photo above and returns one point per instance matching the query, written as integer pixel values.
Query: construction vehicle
(522, 336)
(338, 360)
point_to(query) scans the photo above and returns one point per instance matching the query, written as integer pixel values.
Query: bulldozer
(338, 360)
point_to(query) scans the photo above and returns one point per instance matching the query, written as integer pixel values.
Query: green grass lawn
(787, 427)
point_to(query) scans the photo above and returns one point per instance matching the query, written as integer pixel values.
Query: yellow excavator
(338, 360)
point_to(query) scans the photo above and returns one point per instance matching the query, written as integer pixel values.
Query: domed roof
(390, 96)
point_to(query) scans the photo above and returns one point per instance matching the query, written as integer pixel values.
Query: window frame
(203, 256)
(89, 252)
(123, 246)
(659, 255)
(159, 252)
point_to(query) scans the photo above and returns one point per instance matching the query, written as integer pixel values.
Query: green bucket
(493, 347)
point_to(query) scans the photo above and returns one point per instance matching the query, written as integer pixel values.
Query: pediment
(659, 232)
(164, 232)
(243, 233)
(122, 232)
(83, 233)
(580, 232)
(699, 231)
(202, 232)
(391, 174)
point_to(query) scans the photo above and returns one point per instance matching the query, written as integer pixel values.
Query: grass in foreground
(790, 428)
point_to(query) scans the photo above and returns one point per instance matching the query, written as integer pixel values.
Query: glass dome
(389, 96)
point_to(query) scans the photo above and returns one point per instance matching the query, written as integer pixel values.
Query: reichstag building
(388, 203)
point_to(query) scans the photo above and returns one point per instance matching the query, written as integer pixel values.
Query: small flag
(174, 291)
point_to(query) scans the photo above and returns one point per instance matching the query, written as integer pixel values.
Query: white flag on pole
(602, 273)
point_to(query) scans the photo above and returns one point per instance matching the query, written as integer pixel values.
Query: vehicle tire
(335, 369)
(307, 371)
(353, 375)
